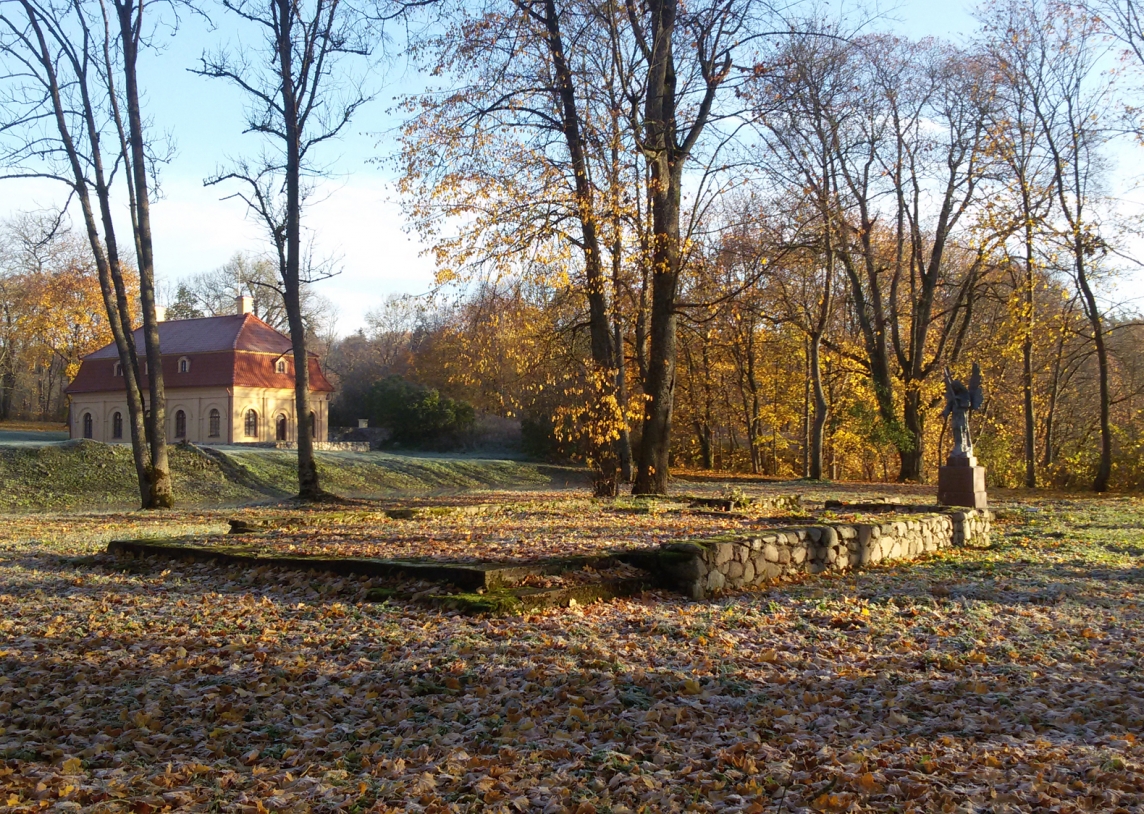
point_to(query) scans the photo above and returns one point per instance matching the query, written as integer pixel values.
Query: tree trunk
(703, 436)
(1051, 409)
(105, 252)
(821, 409)
(655, 444)
(1104, 468)
(309, 484)
(911, 451)
(666, 179)
(160, 493)
(624, 442)
(1027, 350)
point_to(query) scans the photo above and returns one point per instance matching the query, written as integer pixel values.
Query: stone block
(770, 570)
(829, 536)
(748, 572)
(962, 486)
(687, 570)
(715, 581)
(771, 553)
(734, 570)
(798, 554)
(784, 555)
(686, 548)
(724, 553)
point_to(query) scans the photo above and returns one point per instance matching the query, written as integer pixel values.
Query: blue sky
(356, 217)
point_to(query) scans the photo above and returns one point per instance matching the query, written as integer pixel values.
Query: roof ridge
(193, 319)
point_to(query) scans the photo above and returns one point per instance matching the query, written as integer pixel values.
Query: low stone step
(523, 600)
(469, 576)
(424, 512)
(240, 526)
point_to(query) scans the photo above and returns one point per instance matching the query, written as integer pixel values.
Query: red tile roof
(227, 351)
(209, 334)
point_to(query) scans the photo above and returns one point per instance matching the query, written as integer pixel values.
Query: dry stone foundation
(742, 560)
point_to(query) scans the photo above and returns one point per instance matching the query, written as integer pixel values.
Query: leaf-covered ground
(1005, 679)
(509, 527)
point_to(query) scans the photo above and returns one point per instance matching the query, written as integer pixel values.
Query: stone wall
(329, 446)
(741, 560)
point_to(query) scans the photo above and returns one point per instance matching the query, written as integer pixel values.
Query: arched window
(184, 365)
(280, 428)
(214, 424)
(280, 366)
(88, 429)
(251, 427)
(118, 368)
(180, 424)
(117, 425)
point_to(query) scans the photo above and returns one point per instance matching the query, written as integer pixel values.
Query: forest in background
(723, 236)
(859, 212)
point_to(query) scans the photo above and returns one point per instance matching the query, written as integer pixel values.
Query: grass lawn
(998, 679)
(85, 475)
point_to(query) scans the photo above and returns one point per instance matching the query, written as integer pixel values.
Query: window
(280, 366)
(117, 425)
(251, 427)
(214, 424)
(118, 369)
(280, 428)
(184, 365)
(313, 427)
(180, 424)
(88, 430)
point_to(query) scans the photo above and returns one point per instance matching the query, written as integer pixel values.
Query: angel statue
(959, 401)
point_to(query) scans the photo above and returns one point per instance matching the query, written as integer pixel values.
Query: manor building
(228, 380)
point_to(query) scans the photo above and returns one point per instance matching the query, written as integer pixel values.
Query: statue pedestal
(961, 482)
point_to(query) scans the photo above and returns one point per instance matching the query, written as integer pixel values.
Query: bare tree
(680, 91)
(1054, 52)
(71, 69)
(1026, 181)
(213, 293)
(300, 95)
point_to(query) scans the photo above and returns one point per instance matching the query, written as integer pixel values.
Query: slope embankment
(86, 475)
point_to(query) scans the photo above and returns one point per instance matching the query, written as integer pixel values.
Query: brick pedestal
(961, 482)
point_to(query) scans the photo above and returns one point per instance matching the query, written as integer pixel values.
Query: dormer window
(280, 366)
(184, 365)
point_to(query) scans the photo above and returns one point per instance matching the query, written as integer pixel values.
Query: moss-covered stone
(494, 603)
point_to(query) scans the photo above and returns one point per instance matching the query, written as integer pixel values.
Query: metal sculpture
(960, 400)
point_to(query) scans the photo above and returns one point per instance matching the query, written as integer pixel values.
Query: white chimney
(244, 304)
(160, 313)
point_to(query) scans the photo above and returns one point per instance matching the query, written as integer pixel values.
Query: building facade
(228, 380)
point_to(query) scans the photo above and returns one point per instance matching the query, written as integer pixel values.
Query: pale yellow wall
(197, 403)
(270, 403)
